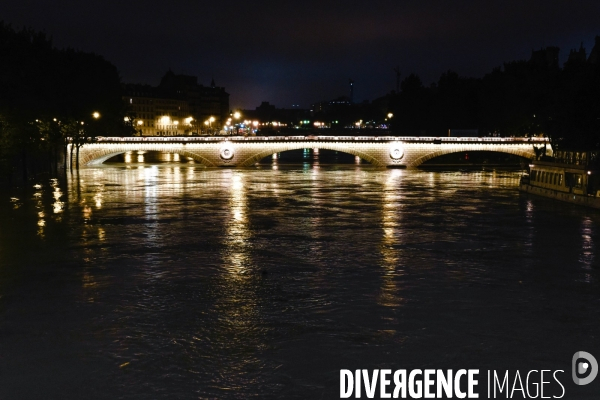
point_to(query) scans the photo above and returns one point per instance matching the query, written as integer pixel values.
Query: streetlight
(209, 123)
(188, 121)
(236, 115)
(96, 114)
(388, 119)
(139, 131)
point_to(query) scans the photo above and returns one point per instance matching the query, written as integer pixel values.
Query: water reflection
(392, 239)
(57, 194)
(236, 254)
(259, 283)
(587, 255)
(150, 157)
(39, 206)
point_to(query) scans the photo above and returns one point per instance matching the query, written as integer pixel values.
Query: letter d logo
(590, 364)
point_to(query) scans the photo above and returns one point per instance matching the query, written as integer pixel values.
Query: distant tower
(595, 53)
(212, 83)
(351, 91)
(397, 71)
(577, 57)
(545, 57)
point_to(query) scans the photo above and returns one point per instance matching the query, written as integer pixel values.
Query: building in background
(268, 113)
(595, 53)
(178, 106)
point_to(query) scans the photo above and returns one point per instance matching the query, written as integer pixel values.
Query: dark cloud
(305, 51)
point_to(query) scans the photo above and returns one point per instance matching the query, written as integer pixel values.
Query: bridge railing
(311, 138)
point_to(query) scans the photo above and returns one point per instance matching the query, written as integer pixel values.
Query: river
(162, 281)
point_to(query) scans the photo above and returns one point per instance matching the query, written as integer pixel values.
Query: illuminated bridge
(239, 151)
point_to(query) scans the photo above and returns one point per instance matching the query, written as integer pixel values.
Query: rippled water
(177, 281)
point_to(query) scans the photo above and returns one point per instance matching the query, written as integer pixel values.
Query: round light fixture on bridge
(226, 152)
(396, 152)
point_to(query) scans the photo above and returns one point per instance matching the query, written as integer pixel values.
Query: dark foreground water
(179, 282)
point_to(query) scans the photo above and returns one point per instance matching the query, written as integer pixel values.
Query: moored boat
(572, 176)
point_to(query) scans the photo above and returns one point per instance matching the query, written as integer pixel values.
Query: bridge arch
(507, 149)
(252, 159)
(99, 154)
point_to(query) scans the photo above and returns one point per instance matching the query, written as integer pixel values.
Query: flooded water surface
(174, 281)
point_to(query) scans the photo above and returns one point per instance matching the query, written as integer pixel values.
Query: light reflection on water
(236, 254)
(391, 292)
(178, 281)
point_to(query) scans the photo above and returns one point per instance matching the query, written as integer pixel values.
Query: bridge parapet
(262, 139)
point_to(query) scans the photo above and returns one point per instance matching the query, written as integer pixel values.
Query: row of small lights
(95, 114)
(359, 123)
(166, 120)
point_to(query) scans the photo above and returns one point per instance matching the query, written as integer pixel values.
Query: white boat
(572, 176)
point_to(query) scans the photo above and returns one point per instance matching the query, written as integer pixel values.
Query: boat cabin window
(554, 178)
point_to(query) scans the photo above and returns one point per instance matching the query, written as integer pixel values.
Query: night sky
(302, 52)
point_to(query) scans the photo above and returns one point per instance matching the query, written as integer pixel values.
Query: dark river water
(174, 281)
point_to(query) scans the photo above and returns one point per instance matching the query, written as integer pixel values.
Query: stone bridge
(237, 151)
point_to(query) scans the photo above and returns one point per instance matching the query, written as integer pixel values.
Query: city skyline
(298, 54)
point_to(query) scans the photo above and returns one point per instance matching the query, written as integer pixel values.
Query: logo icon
(584, 364)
